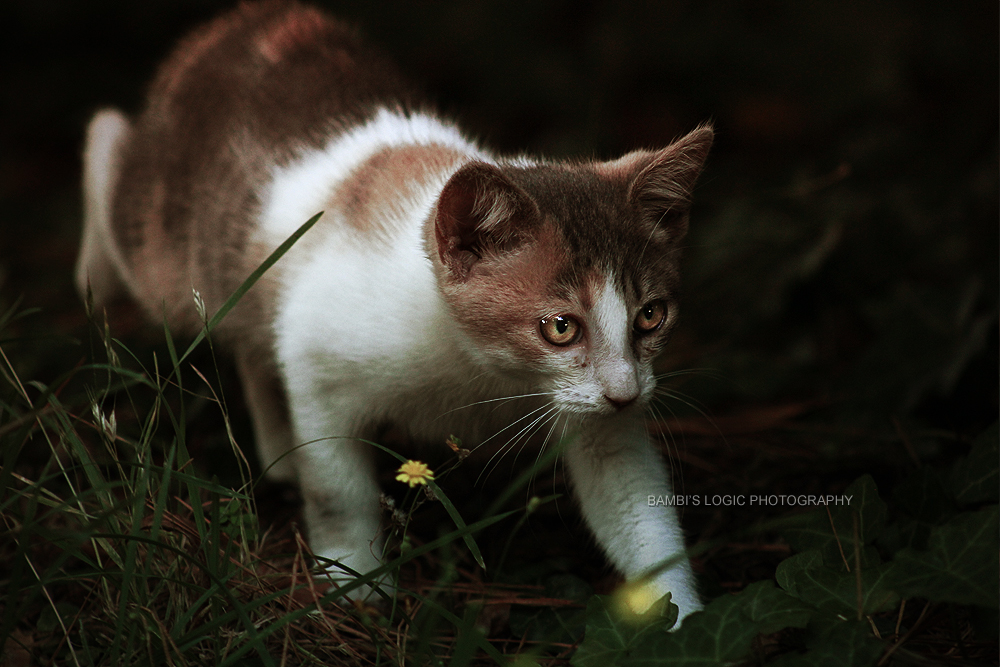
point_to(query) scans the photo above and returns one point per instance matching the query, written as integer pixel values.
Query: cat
(445, 290)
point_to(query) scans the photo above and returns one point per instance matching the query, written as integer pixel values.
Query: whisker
(513, 441)
(672, 448)
(501, 399)
(524, 436)
(561, 462)
(650, 237)
(705, 372)
(689, 401)
(514, 423)
(677, 394)
(541, 450)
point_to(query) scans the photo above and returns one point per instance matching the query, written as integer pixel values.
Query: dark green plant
(848, 584)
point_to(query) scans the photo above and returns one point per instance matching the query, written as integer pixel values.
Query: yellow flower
(414, 472)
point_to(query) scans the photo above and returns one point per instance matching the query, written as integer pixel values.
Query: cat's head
(567, 274)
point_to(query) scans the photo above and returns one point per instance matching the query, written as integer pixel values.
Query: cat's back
(284, 72)
(240, 96)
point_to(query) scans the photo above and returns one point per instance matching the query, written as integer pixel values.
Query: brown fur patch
(192, 50)
(219, 117)
(382, 184)
(504, 297)
(301, 26)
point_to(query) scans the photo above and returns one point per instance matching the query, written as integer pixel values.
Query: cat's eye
(650, 317)
(560, 330)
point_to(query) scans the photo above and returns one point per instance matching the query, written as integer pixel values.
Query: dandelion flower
(414, 472)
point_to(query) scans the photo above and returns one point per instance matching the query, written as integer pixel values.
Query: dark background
(842, 274)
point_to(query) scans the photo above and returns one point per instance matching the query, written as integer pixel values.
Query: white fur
(606, 368)
(613, 465)
(300, 189)
(363, 337)
(614, 468)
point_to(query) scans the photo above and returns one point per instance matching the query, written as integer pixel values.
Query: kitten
(446, 290)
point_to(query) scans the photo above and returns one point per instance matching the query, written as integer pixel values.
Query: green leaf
(835, 643)
(459, 522)
(790, 568)
(905, 532)
(817, 531)
(721, 633)
(959, 565)
(611, 639)
(924, 496)
(975, 478)
(442, 498)
(469, 635)
(553, 624)
(773, 609)
(245, 286)
(829, 589)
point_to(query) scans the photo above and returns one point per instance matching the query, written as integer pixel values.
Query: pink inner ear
(480, 212)
(454, 211)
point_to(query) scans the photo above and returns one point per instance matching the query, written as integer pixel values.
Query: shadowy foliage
(840, 315)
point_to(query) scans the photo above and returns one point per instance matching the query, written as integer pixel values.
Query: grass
(122, 555)
(120, 550)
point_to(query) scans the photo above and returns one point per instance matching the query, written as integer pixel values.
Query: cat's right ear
(663, 186)
(480, 214)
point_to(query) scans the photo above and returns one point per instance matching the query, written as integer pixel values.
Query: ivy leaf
(976, 478)
(721, 633)
(959, 565)
(610, 639)
(905, 532)
(818, 533)
(833, 642)
(553, 624)
(924, 496)
(805, 577)
(789, 569)
(838, 592)
(773, 609)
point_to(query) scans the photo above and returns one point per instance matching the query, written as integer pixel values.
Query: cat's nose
(620, 403)
(620, 383)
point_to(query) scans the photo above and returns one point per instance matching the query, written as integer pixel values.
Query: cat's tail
(100, 265)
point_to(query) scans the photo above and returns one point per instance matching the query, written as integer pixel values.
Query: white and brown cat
(446, 290)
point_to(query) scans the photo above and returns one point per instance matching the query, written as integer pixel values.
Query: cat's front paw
(639, 597)
(354, 578)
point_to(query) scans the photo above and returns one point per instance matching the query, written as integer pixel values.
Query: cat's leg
(339, 491)
(265, 397)
(614, 469)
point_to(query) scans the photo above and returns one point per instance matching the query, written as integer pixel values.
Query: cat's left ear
(664, 179)
(481, 214)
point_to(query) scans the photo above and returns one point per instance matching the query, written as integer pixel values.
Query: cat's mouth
(603, 407)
